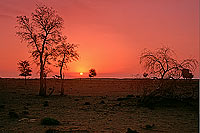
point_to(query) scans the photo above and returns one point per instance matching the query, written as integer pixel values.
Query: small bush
(123, 98)
(46, 104)
(138, 96)
(102, 102)
(131, 131)
(87, 103)
(130, 96)
(51, 131)
(2, 106)
(13, 114)
(25, 112)
(49, 121)
(149, 126)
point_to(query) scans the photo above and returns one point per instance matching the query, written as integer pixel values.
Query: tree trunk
(162, 76)
(61, 77)
(45, 84)
(62, 88)
(25, 80)
(42, 90)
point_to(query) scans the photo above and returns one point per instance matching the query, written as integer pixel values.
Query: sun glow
(81, 73)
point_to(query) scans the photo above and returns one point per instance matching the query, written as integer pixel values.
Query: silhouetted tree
(145, 75)
(163, 64)
(66, 53)
(92, 73)
(42, 32)
(25, 69)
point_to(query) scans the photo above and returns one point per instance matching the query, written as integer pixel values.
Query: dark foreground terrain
(91, 106)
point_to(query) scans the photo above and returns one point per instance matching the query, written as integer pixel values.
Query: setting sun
(81, 73)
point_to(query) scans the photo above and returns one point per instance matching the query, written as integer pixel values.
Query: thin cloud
(5, 16)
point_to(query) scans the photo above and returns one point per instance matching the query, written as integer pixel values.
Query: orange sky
(111, 33)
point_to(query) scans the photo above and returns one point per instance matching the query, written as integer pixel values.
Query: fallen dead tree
(165, 95)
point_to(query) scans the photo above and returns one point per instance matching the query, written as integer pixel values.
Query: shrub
(13, 114)
(52, 131)
(87, 103)
(46, 104)
(49, 121)
(102, 102)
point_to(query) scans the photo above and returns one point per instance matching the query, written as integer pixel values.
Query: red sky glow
(111, 33)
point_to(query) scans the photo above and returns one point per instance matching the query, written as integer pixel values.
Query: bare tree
(162, 63)
(25, 69)
(92, 73)
(42, 32)
(66, 53)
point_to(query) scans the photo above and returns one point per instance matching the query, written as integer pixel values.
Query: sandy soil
(112, 117)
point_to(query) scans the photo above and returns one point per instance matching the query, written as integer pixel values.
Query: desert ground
(97, 105)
